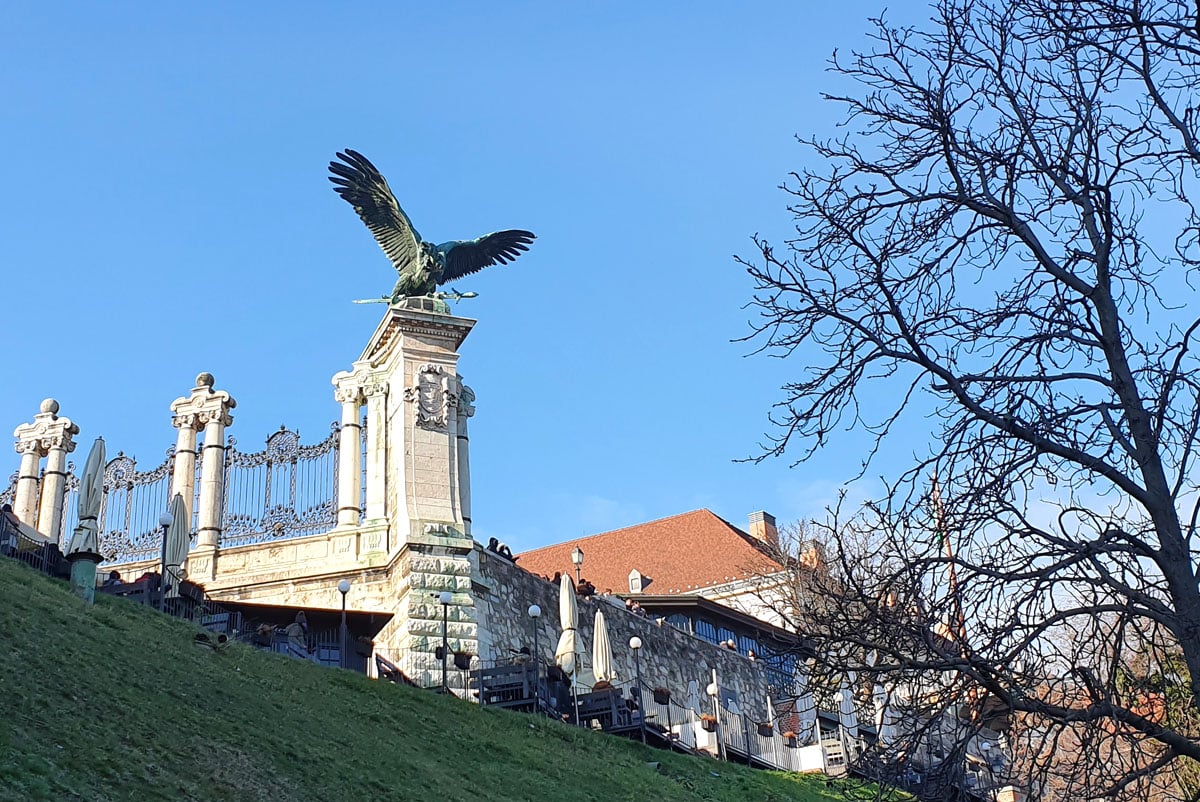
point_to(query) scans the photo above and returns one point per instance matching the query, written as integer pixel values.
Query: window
(725, 634)
(680, 622)
(635, 581)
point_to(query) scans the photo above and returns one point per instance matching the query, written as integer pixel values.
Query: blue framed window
(680, 622)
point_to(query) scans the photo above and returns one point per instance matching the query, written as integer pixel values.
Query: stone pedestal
(417, 482)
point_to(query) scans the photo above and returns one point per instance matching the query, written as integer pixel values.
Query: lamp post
(445, 597)
(164, 522)
(713, 691)
(535, 613)
(635, 643)
(577, 559)
(343, 588)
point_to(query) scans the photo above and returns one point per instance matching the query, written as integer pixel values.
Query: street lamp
(635, 643)
(343, 588)
(445, 597)
(164, 521)
(577, 558)
(535, 613)
(713, 690)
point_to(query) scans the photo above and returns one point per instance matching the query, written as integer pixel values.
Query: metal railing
(737, 736)
(43, 556)
(286, 490)
(424, 670)
(130, 506)
(323, 647)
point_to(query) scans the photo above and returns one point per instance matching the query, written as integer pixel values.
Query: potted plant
(661, 696)
(789, 738)
(708, 722)
(766, 729)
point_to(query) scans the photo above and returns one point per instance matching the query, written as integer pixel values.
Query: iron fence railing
(44, 556)
(286, 490)
(323, 647)
(130, 507)
(9, 494)
(424, 670)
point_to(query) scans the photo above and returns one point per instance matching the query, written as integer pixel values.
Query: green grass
(115, 702)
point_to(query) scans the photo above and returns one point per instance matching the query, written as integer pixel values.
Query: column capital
(205, 405)
(47, 431)
(357, 384)
(348, 395)
(466, 400)
(24, 447)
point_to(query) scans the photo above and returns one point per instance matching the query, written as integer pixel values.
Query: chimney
(762, 527)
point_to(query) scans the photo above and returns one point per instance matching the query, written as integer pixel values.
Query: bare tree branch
(1002, 241)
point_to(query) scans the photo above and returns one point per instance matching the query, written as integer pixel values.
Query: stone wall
(669, 658)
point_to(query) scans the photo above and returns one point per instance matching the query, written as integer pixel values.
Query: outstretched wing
(362, 186)
(464, 257)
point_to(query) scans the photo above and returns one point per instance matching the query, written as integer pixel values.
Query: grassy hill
(115, 702)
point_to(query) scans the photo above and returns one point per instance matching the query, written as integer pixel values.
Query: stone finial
(46, 431)
(203, 405)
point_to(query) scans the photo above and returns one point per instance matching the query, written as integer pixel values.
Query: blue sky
(167, 213)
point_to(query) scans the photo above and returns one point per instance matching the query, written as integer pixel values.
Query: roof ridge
(631, 526)
(764, 548)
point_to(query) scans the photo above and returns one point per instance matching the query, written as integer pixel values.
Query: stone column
(25, 503)
(211, 409)
(212, 479)
(466, 408)
(183, 480)
(377, 462)
(54, 487)
(53, 436)
(349, 489)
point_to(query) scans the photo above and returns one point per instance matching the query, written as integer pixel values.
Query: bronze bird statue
(422, 265)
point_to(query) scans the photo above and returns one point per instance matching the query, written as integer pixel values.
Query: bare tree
(1003, 242)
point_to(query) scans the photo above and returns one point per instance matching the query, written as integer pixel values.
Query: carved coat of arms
(432, 394)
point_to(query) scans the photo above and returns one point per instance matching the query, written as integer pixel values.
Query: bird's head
(432, 253)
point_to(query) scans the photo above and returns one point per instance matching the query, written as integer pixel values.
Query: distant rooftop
(676, 555)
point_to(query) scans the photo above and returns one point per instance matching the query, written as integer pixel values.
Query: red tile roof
(677, 555)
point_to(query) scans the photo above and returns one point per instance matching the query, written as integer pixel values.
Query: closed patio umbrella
(693, 697)
(602, 667)
(91, 490)
(83, 551)
(805, 705)
(885, 718)
(175, 550)
(847, 717)
(569, 654)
